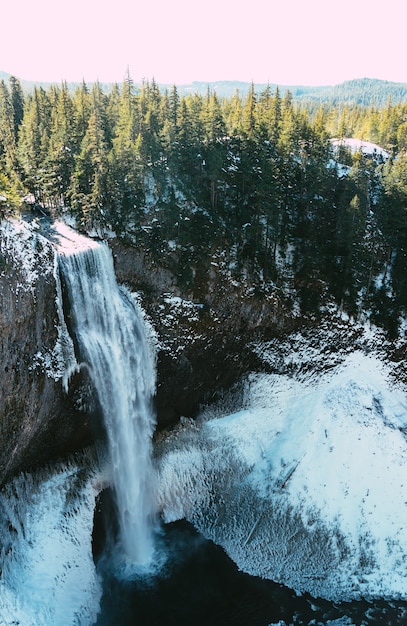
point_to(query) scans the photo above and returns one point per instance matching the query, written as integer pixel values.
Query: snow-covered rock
(306, 484)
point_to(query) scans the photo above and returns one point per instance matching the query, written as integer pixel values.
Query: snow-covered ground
(306, 484)
(357, 145)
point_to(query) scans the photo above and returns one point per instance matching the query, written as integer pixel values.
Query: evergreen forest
(250, 183)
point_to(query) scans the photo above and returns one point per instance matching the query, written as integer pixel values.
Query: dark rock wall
(204, 342)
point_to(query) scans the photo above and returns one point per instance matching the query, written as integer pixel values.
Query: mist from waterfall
(47, 573)
(110, 337)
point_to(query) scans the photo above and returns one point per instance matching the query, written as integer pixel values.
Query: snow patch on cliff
(31, 257)
(29, 252)
(305, 484)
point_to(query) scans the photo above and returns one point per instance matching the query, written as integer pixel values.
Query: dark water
(201, 586)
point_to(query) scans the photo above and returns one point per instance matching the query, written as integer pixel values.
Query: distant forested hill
(360, 92)
(29, 85)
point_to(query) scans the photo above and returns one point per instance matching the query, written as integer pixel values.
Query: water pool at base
(201, 586)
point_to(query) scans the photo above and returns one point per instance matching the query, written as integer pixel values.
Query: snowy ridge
(48, 577)
(69, 241)
(305, 485)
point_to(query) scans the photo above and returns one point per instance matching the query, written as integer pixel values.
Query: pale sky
(289, 42)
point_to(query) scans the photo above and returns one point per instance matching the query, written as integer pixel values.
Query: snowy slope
(306, 485)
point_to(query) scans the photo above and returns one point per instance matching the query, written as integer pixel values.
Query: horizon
(41, 81)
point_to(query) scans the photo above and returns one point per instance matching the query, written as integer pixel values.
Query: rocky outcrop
(38, 420)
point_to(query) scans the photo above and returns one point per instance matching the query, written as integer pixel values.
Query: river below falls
(201, 586)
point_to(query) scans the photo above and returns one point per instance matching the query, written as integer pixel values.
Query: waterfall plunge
(110, 336)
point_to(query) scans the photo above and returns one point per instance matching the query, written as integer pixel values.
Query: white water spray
(48, 576)
(109, 332)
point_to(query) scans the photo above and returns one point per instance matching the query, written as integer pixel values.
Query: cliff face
(204, 333)
(38, 420)
(202, 346)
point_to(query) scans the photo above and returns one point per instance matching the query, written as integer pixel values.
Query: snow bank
(306, 485)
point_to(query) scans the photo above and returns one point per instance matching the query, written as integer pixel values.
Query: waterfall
(109, 334)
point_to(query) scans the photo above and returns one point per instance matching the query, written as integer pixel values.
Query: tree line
(252, 180)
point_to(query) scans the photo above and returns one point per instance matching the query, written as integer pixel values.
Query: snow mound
(306, 485)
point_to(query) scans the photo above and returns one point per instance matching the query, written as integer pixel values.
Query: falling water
(109, 333)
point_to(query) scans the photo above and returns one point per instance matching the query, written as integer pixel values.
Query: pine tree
(17, 102)
(125, 171)
(275, 118)
(34, 143)
(214, 147)
(148, 142)
(173, 105)
(61, 149)
(233, 115)
(9, 196)
(7, 129)
(82, 110)
(187, 150)
(249, 114)
(89, 193)
(113, 108)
